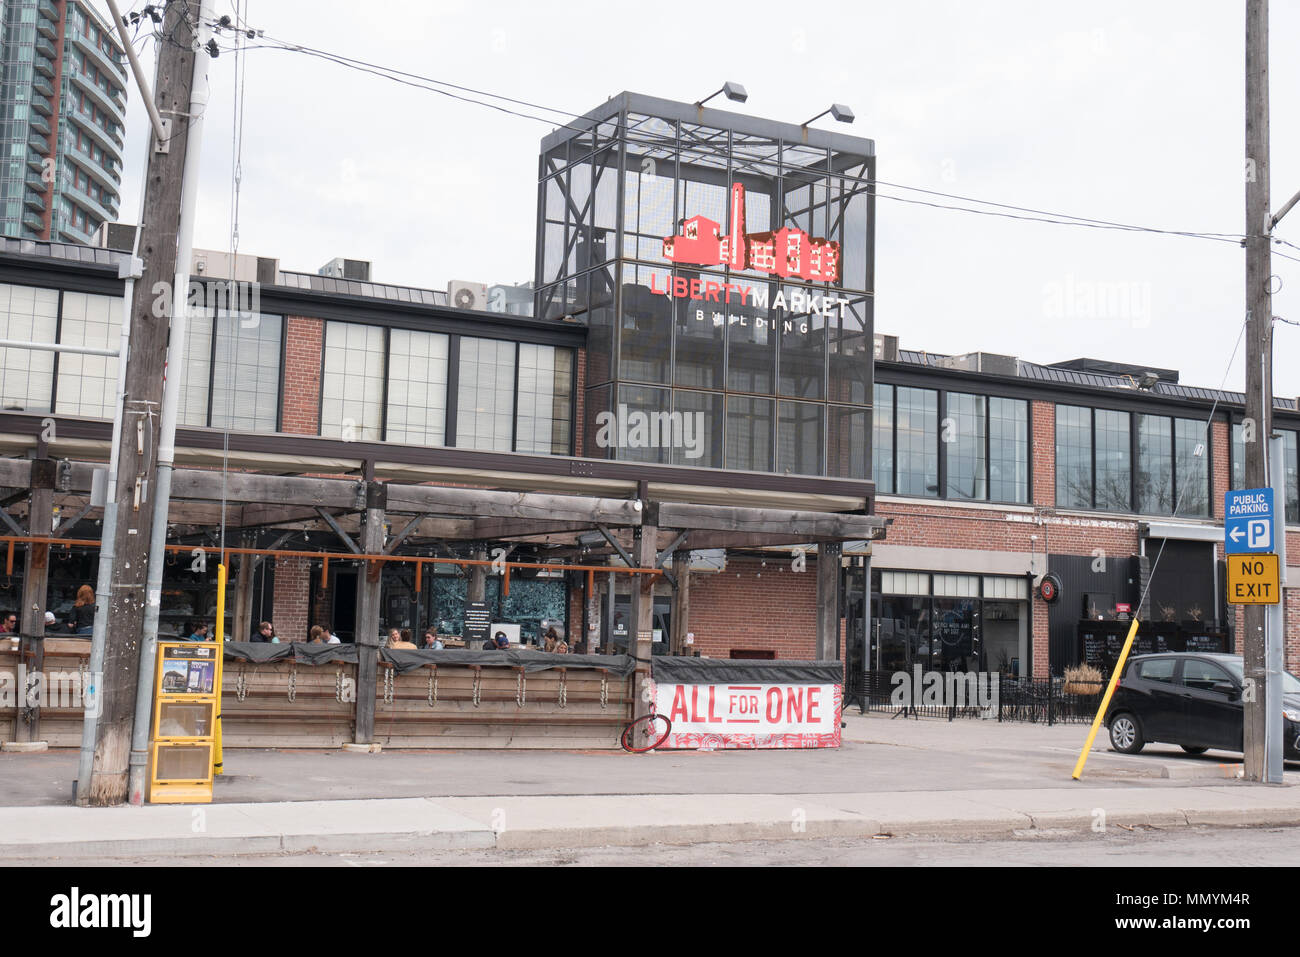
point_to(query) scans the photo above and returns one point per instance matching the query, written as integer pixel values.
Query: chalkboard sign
(478, 623)
(1205, 643)
(1100, 642)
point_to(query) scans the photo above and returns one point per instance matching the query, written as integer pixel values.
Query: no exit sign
(1253, 580)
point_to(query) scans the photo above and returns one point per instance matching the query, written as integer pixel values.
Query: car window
(1157, 669)
(1202, 674)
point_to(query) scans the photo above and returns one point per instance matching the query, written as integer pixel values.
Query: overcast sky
(1110, 110)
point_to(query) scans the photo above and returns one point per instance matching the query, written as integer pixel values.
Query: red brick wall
(1219, 457)
(303, 349)
(292, 598)
(755, 606)
(1042, 451)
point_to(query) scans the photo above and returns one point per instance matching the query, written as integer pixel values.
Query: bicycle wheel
(626, 738)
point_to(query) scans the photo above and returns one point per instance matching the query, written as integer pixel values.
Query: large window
(417, 387)
(1073, 457)
(1113, 461)
(917, 441)
(545, 400)
(1008, 450)
(485, 398)
(963, 436)
(352, 390)
(1170, 474)
(27, 376)
(88, 384)
(882, 439)
(980, 445)
(232, 372)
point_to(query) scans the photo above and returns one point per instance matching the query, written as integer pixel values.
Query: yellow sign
(1253, 580)
(184, 724)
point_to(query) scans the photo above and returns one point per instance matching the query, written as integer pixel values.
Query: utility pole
(1259, 361)
(137, 449)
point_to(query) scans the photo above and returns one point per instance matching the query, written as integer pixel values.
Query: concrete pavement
(900, 777)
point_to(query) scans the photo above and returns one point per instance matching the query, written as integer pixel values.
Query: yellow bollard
(1105, 700)
(221, 663)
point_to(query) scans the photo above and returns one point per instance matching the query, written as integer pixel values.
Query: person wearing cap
(51, 623)
(501, 641)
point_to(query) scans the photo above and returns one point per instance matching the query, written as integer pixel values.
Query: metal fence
(1039, 700)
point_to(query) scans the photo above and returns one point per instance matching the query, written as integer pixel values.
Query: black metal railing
(1006, 698)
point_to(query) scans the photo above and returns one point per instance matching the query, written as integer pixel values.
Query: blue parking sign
(1248, 520)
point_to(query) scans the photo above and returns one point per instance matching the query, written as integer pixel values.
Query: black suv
(1192, 700)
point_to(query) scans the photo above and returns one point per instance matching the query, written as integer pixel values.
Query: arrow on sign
(1236, 534)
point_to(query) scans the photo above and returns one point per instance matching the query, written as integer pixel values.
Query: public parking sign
(1248, 521)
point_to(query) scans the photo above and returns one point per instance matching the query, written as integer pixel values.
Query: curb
(997, 824)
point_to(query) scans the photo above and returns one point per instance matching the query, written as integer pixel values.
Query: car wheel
(1191, 750)
(1125, 735)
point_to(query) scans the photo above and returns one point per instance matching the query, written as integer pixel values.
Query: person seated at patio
(266, 632)
(200, 633)
(328, 636)
(432, 641)
(315, 636)
(400, 639)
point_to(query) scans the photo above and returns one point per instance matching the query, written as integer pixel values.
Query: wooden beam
(344, 536)
(794, 525)
(500, 529)
(828, 600)
(247, 487)
(486, 503)
(639, 641)
(681, 618)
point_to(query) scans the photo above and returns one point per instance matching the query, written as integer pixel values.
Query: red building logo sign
(786, 252)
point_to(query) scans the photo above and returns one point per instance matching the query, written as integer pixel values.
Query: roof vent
(987, 362)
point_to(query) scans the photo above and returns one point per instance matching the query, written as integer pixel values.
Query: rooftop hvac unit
(986, 362)
(886, 348)
(467, 295)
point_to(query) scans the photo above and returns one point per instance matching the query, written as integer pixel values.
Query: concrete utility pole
(1259, 359)
(142, 406)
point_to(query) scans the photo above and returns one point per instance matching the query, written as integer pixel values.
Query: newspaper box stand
(184, 724)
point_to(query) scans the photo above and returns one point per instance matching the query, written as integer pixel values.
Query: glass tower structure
(724, 266)
(62, 113)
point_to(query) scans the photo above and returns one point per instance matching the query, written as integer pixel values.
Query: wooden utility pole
(142, 404)
(36, 579)
(1259, 358)
(369, 590)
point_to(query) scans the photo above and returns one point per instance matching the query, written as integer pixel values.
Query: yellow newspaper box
(184, 723)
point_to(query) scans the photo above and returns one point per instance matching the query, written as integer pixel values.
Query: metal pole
(139, 761)
(57, 347)
(1275, 633)
(159, 129)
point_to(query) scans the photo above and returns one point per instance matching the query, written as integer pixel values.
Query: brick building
(922, 498)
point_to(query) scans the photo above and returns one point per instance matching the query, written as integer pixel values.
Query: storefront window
(918, 441)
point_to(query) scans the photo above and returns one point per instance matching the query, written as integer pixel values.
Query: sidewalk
(964, 779)
(46, 833)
